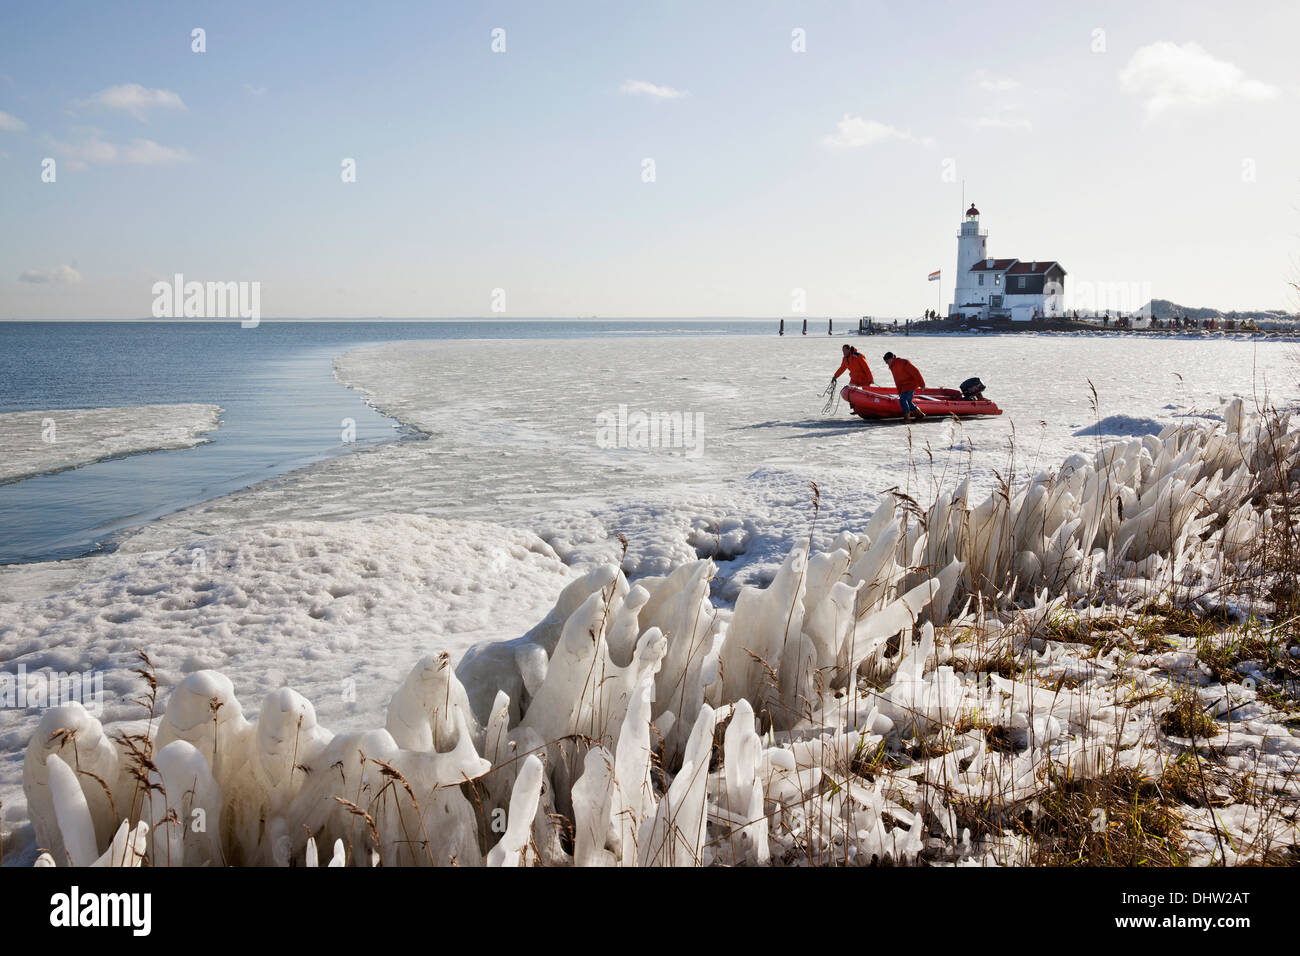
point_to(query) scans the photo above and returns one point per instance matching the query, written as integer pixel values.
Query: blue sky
(1160, 154)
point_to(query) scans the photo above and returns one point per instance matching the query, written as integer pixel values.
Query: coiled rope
(832, 396)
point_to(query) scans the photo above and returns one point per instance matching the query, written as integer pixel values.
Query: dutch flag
(934, 276)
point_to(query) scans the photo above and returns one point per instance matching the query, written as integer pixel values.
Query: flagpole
(963, 216)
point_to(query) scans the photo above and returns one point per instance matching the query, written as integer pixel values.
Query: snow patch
(1121, 425)
(37, 443)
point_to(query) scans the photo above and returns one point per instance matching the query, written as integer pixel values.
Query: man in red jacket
(856, 363)
(908, 380)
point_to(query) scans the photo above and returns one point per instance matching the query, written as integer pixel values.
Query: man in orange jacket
(856, 363)
(908, 380)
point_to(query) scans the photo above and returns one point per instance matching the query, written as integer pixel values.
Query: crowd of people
(1173, 322)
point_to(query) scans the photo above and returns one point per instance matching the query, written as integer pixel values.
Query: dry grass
(1001, 661)
(1186, 717)
(1224, 653)
(1121, 819)
(1141, 633)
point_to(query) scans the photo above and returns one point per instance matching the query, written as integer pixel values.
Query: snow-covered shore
(41, 442)
(952, 686)
(339, 610)
(328, 575)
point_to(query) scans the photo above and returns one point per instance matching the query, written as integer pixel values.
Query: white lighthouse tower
(971, 250)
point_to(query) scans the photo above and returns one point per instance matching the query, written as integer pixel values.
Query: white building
(1001, 288)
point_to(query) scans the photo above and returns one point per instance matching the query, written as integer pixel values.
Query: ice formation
(40, 442)
(638, 725)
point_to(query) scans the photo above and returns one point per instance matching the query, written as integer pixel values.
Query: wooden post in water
(782, 332)
(830, 326)
(805, 326)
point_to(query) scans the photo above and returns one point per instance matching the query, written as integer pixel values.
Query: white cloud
(854, 132)
(255, 90)
(93, 150)
(642, 88)
(1167, 76)
(1003, 120)
(10, 123)
(136, 100)
(145, 152)
(139, 152)
(59, 275)
(995, 84)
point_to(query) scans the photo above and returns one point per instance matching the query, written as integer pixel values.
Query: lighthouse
(972, 249)
(1001, 289)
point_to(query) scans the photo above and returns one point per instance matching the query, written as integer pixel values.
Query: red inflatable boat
(875, 402)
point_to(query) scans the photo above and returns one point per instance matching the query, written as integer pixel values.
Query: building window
(981, 278)
(997, 280)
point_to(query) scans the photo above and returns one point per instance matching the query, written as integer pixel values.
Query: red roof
(1014, 267)
(972, 211)
(1033, 268)
(997, 266)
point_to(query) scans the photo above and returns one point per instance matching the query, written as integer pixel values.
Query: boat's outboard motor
(972, 389)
